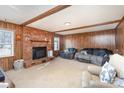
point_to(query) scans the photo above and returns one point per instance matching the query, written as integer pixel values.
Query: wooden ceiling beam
(88, 26)
(45, 14)
(120, 22)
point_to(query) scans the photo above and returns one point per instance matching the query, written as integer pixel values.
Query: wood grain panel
(99, 39)
(120, 37)
(7, 62)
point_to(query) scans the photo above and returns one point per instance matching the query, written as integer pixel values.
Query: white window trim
(13, 43)
(58, 43)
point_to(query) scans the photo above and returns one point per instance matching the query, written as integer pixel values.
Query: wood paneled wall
(120, 37)
(7, 62)
(21, 46)
(99, 39)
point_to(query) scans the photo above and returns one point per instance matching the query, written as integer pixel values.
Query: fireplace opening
(39, 52)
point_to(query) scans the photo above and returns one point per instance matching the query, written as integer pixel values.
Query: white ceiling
(91, 29)
(78, 15)
(21, 13)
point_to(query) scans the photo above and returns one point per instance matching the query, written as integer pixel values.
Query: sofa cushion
(86, 77)
(119, 82)
(98, 84)
(97, 60)
(98, 51)
(95, 70)
(101, 53)
(108, 73)
(118, 62)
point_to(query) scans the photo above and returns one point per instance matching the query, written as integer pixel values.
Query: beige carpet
(58, 73)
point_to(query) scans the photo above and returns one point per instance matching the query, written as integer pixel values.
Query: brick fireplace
(35, 38)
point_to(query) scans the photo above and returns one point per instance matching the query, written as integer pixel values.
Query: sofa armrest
(105, 59)
(95, 70)
(7, 80)
(86, 77)
(61, 52)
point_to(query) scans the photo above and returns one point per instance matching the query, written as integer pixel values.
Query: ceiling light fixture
(67, 23)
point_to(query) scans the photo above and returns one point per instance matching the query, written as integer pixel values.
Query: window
(6, 43)
(56, 43)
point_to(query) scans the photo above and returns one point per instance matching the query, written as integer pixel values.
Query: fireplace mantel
(39, 41)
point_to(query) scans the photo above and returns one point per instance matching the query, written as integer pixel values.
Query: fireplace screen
(39, 52)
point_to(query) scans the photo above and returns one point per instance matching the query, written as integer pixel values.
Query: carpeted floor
(58, 73)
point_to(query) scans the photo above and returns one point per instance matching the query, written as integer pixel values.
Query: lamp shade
(18, 37)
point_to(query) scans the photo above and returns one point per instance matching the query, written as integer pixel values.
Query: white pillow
(84, 52)
(108, 73)
(66, 50)
(4, 85)
(118, 62)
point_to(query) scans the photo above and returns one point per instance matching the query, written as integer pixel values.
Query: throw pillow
(118, 62)
(84, 52)
(108, 73)
(65, 50)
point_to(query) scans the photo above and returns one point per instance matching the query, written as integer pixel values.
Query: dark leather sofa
(7, 80)
(96, 56)
(68, 53)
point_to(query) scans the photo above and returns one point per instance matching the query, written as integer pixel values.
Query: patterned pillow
(108, 73)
